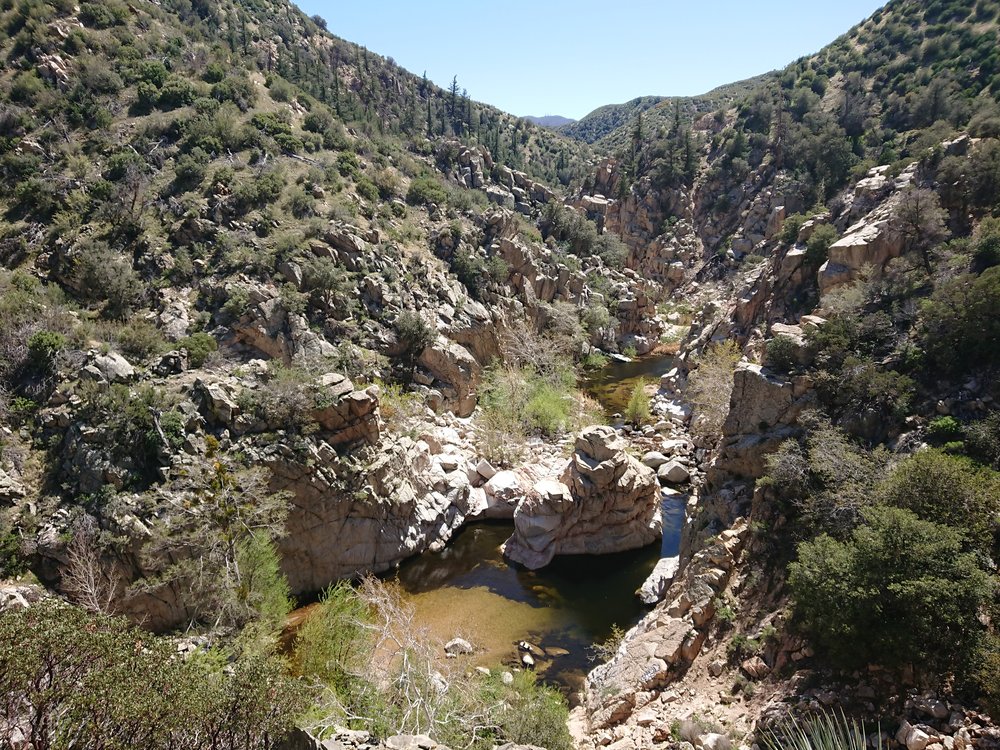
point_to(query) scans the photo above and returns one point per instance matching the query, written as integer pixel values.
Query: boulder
(658, 581)
(674, 472)
(452, 364)
(457, 647)
(605, 501)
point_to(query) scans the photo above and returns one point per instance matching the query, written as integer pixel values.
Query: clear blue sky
(538, 57)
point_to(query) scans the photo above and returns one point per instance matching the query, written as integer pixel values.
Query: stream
(612, 385)
(468, 590)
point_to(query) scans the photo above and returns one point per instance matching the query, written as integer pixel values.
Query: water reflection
(612, 385)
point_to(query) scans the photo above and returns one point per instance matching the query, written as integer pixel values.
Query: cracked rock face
(605, 501)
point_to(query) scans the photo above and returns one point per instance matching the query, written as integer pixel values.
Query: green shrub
(548, 409)
(960, 329)
(790, 229)
(946, 489)
(818, 245)
(100, 682)
(944, 429)
(827, 731)
(414, 335)
(637, 409)
(43, 347)
(781, 353)
(425, 191)
(982, 440)
(102, 15)
(899, 592)
(199, 346)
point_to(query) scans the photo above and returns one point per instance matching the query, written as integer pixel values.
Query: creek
(468, 590)
(612, 385)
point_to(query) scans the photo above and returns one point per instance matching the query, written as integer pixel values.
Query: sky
(540, 57)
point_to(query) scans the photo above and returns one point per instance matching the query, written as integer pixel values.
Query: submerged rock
(605, 501)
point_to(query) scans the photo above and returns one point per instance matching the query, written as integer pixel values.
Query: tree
(711, 385)
(70, 679)
(899, 592)
(921, 221)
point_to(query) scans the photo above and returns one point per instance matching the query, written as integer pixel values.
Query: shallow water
(612, 385)
(468, 590)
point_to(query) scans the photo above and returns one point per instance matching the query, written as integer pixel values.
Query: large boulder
(763, 411)
(458, 372)
(605, 501)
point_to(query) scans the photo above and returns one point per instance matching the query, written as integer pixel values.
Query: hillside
(550, 121)
(277, 315)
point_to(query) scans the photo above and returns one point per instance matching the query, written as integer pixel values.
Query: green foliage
(12, 563)
(781, 353)
(107, 278)
(944, 430)
(335, 643)
(637, 409)
(426, 191)
(982, 439)
(90, 681)
(43, 347)
(868, 599)
(199, 346)
(414, 335)
(263, 589)
(790, 229)
(949, 490)
(959, 327)
(827, 478)
(818, 244)
(827, 731)
(711, 385)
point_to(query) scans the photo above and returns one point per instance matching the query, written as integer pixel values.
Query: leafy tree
(946, 489)
(921, 220)
(711, 385)
(899, 592)
(959, 326)
(69, 679)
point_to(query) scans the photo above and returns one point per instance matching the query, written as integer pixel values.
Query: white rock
(485, 469)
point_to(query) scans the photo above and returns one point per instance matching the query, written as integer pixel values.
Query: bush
(107, 277)
(982, 440)
(414, 335)
(425, 191)
(711, 385)
(900, 592)
(790, 229)
(818, 245)
(946, 489)
(781, 353)
(199, 346)
(75, 679)
(959, 327)
(637, 409)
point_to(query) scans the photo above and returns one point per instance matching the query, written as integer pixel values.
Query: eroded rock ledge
(604, 501)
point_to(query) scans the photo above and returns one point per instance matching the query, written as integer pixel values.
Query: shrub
(946, 489)
(790, 229)
(818, 245)
(97, 681)
(102, 15)
(781, 353)
(899, 592)
(43, 347)
(107, 277)
(959, 327)
(827, 731)
(425, 191)
(637, 409)
(199, 346)
(944, 430)
(414, 335)
(982, 440)
(711, 385)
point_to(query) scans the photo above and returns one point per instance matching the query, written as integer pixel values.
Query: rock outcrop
(762, 413)
(605, 501)
(667, 640)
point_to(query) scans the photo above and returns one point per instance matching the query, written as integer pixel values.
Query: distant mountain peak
(550, 121)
